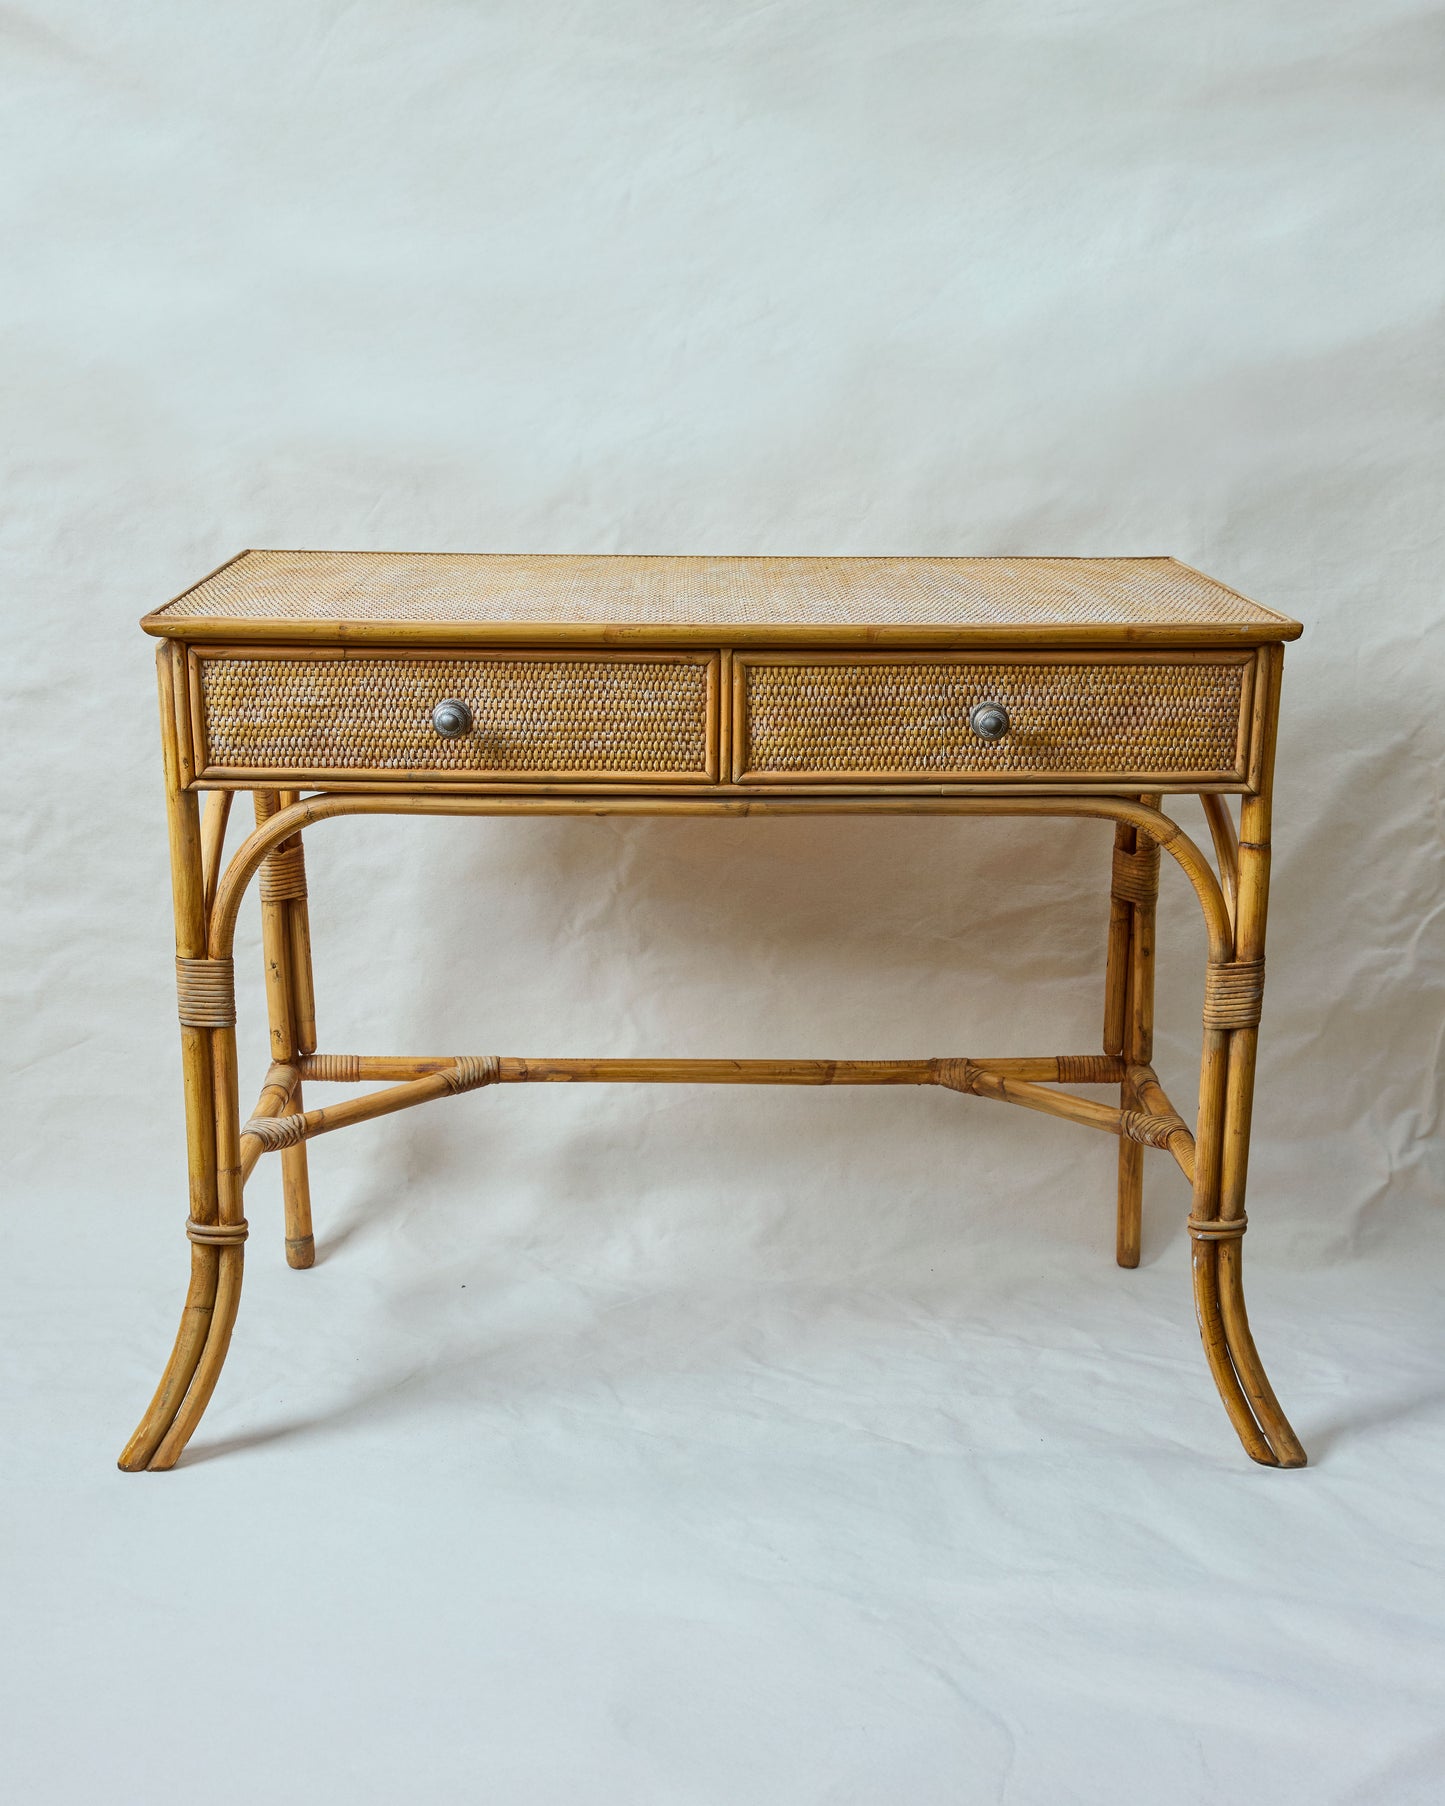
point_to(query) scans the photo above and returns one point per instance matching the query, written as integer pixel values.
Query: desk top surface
(374, 596)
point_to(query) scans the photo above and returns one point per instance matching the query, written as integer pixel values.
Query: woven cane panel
(840, 592)
(532, 715)
(1067, 719)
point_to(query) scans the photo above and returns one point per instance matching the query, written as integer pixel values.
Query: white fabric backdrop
(724, 1446)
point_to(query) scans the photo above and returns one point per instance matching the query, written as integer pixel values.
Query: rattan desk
(449, 684)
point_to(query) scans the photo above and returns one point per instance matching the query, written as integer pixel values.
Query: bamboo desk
(450, 684)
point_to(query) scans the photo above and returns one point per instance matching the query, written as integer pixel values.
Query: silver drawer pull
(989, 720)
(452, 719)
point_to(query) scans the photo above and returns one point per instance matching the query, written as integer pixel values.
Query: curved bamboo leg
(1204, 1252)
(208, 1371)
(180, 1368)
(231, 1263)
(1217, 1219)
(214, 1196)
(1239, 1090)
(1252, 904)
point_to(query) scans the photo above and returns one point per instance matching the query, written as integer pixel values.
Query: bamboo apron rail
(362, 683)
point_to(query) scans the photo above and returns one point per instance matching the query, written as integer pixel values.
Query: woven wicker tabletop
(1048, 597)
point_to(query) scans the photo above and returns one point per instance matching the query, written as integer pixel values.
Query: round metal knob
(989, 720)
(452, 719)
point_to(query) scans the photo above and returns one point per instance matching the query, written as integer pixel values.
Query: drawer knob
(452, 719)
(989, 720)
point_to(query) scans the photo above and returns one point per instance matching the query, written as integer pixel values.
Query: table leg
(1233, 995)
(290, 1004)
(1129, 1007)
(1217, 1219)
(216, 1226)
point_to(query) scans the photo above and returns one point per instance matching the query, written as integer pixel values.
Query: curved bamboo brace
(1226, 848)
(213, 840)
(287, 822)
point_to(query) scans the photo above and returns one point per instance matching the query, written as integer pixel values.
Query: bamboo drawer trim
(885, 718)
(538, 715)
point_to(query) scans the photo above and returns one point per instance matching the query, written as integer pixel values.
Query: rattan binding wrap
(1217, 1229)
(1088, 1069)
(465, 586)
(336, 1069)
(1136, 875)
(217, 1235)
(206, 993)
(472, 1071)
(1234, 994)
(276, 1131)
(1149, 1131)
(549, 715)
(1079, 719)
(283, 875)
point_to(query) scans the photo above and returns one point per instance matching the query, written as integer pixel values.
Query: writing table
(366, 683)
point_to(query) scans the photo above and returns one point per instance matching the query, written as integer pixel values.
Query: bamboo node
(332, 1069)
(1089, 1069)
(1136, 875)
(217, 1235)
(1152, 1131)
(957, 1075)
(471, 1071)
(1233, 994)
(1217, 1229)
(276, 1131)
(206, 993)
(283, 874)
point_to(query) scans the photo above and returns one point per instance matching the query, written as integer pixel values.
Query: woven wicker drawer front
(1071, 716)
(536, 716)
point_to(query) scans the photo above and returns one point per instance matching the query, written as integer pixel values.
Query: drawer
(1136, 717)
(532, 715)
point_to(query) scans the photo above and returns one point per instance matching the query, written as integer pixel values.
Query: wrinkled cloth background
(694, 1446)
